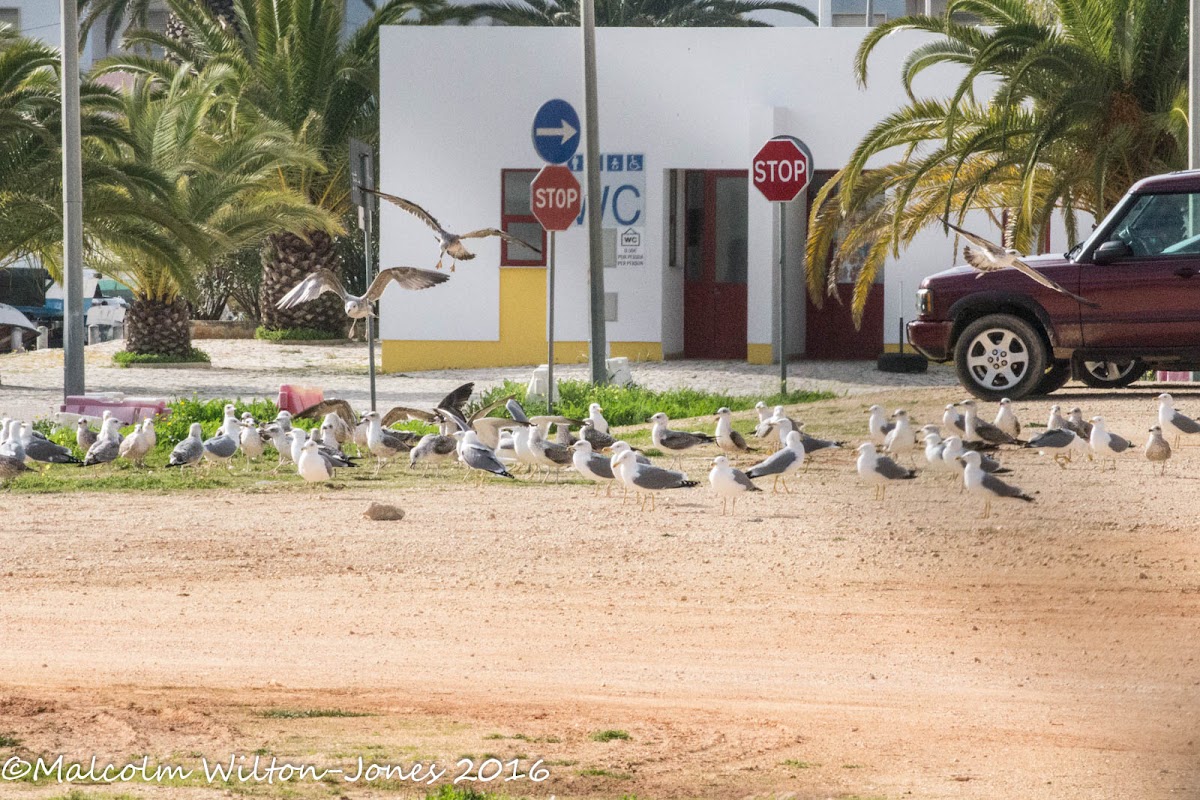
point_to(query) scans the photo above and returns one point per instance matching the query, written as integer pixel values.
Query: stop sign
(781, 169)
(555, 197)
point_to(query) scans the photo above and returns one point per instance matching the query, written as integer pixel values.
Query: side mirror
(1111, 251)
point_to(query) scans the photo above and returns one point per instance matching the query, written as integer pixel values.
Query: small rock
(383, 511)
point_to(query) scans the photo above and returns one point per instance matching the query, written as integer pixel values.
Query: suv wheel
(1000, 356)
(1055, 378)
(1112, 374)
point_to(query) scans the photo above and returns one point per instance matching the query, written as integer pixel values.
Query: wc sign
(622, 189)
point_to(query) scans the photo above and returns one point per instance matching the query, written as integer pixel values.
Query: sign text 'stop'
(782, 169)
(555, 197)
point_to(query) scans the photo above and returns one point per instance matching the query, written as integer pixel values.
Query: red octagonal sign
(781, 169)
(555, 198)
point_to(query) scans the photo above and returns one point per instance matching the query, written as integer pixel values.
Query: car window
(1161, 225)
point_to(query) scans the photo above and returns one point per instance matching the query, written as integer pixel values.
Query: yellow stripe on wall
(760, 354)
(522, 336)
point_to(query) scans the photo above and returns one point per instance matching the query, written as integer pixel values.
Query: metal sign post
(362, 175)
(72, 160)
(783, 370)
(550, 329)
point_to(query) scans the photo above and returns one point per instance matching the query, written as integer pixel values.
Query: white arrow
(566, 131)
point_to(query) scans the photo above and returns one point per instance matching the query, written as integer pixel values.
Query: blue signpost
(556, 131)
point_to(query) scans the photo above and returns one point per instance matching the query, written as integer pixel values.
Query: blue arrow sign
(556, 131)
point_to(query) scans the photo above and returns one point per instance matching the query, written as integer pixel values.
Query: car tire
(1055, 378)
(1000, 356)
(1106, 374)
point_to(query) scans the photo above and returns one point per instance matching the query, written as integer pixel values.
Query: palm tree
(1090, 95)
(221, 161)
(633, 13)
(295, 67)
(122, 15)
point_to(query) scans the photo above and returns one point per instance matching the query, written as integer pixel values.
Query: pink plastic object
(1174, 377)
(128, 409)
(294, 399)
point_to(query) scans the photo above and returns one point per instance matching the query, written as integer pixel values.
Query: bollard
(43, 337)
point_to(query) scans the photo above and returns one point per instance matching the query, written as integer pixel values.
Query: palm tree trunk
(158, 327)
(288, 259)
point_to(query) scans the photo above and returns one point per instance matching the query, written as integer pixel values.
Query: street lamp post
(72, 183)
(591, 134)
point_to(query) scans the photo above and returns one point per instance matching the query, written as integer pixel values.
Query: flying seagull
(356, 307)
(988, 257)
(451, 243)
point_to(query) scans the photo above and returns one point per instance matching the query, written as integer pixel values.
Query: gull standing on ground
(979, 482)
(763, 411)
(880, 470)
(987, 257)
(250, 439)
(727, 438)
(1158, 451)
(935, 449)
(189, 451)
(284, 420)
(1076, 422)
(975, 429)
(1172, 421)
(551, 455)
(221, 448)
(434, 448)
(592, 465)
(952, 421)
(384, 444)
(1006, 420)
(647, 478)
(618, 448)
(812, 444)
(478, 456)
(597, 439)
(1105, 444)
(107, 446)
(678, 441)
(356, 308)
(878, 425)
(47, 452)
(901, 440)
(1061, 443)
(1056, 422)
(597, 418)
(85, 437)
(311, 466)
(139, 443)
(11, 467)
(450, 243)
(729, 483)
(781, 463)
(953, 449)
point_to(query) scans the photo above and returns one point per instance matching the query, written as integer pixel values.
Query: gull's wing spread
(408, 278)
(403, 413)
(340, 407)
(994, 250)
(411, 208)
(1030, 272)
(457, 398)
(508, 237)
(313, 287)
(483, 411)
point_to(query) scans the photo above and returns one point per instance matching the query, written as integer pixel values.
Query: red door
(714, 261)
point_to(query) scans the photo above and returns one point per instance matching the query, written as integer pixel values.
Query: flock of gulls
(961, 446)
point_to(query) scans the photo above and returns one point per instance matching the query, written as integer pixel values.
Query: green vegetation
(123, 358)
(9, 741)
(291, 334)
(308, 713)
(633, 405)
(610, 735)
(797, 764)
(593, 772)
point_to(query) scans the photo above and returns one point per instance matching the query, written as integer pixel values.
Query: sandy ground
(817, 645)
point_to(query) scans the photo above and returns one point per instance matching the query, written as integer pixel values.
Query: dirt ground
(817, 645)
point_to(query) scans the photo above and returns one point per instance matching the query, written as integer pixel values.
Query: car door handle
(1185, 272)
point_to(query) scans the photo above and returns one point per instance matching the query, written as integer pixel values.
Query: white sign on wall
(623, 203)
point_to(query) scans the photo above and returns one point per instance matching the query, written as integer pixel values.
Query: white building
(682, 113)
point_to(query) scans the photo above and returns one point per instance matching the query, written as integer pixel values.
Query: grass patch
(604, 773)
(294, 334)
(610, 735)
(449, 792)
(308, 713)
(633, 405)
(123, 358)
(797, 764)
(852, 766)
(9, 741)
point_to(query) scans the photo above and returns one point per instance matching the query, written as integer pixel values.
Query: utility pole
(1194, 85)
(591, 133)
(72, 185)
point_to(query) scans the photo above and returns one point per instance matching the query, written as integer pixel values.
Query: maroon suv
(1011, 337)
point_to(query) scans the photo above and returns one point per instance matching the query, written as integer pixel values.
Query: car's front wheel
(1000, 356)
(1112, 373)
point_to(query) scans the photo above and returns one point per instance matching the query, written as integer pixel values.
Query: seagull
(1057, 421)
(597, 418)
(953, 448)
(591, 465)
(548, 454)
(900, 440)
(47, 452)
(596, 438)
(1157, 449)
(250, 439)
(384, 444)
(952, 421)
(1172, 421)
(975, 429)
(85, 437)
(781, 463)
(222, 447)
(727, 438)
(189, 451)
(1006, 420)
(665, 438)
(451, 243)
(356, 308)
(1076, 422)
(978, 481)
(478, 456)
(812, 444)
(1060, 442)
(434, 448)
(284, 420)
(728, 483)
(1105, 444)
(648, 478)
(138, 444)
(618, 448)
(878, 425)
(935, 448)
(107, 446)
(880, 470)
(987, 257)
(763, 410)
(315, 464)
